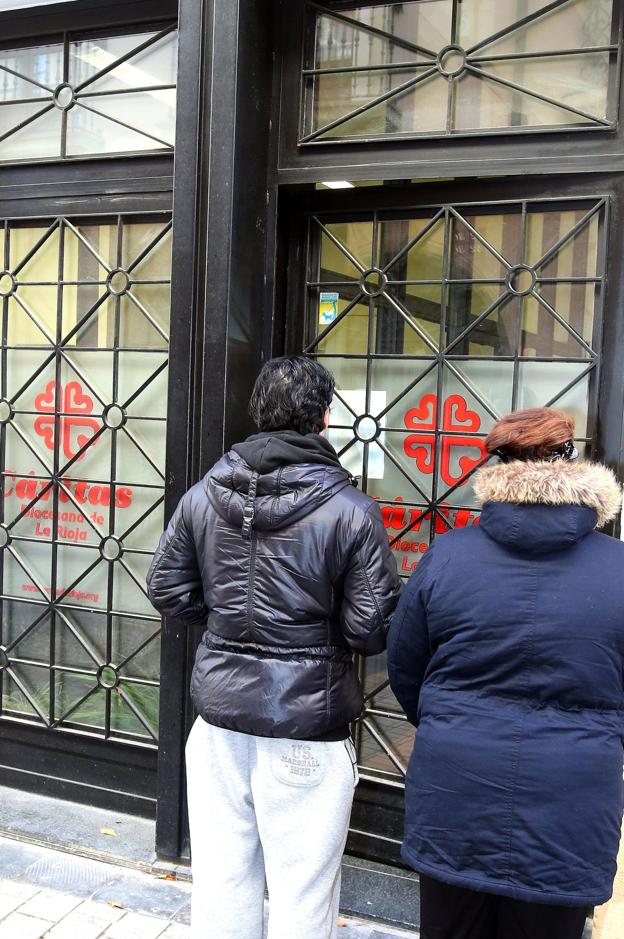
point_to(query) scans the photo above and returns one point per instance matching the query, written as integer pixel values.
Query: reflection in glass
(345, 251)
(544, 382)
(31, 72)
(412, 249)
(407, 321)
(450, 66)
(119, 97)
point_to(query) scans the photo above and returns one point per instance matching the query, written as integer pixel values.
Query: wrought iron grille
(459, 67)
(89, 96)
(434, 323)
(83, 390)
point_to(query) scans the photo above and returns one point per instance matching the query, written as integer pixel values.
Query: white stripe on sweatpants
(263, 808)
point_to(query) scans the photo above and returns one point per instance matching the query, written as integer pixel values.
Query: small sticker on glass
(328, 308)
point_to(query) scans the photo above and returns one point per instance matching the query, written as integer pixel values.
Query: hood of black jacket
(294, 473)
(539, 507)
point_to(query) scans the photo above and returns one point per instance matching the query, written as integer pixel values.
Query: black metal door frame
(376, 825)
(62, 763)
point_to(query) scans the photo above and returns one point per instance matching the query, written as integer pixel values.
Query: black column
(222, 287)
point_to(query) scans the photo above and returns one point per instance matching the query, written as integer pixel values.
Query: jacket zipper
(250, 584)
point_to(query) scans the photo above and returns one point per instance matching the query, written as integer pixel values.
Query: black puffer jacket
(289, 565)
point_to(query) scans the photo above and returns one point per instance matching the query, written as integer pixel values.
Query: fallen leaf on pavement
(108, 831)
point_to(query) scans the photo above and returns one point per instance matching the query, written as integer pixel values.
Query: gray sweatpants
(266, 811)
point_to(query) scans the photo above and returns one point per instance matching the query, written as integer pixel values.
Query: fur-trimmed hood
(560, 483)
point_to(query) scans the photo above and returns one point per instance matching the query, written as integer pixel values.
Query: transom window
(89, 96)
(454, 67)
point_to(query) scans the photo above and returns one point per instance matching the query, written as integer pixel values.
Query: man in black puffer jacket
(289, 566)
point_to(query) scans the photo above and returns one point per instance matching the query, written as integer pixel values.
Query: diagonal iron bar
(74, 707)
(137, 713)
(87, 244)
(139, 521)
(571, 384)
(569, 236)
(414, 241)
(148, 316)
(482, 73)
(383, 741)
(343, 248)
(32, 251)
(518, 24)
(379, 99)
(139, 649)
(569, 329)
(33, 317)
(486, 244)
(22, 687)
(480, 318)
(373, 30)
(409, 319)
(116, 120)
(339, 318)
(124, 58)
(150, 247)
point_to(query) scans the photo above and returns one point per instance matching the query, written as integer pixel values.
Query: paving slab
(18, 926)
(50, 894)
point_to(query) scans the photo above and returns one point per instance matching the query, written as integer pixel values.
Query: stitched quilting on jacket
(507, 651)
(289, 567)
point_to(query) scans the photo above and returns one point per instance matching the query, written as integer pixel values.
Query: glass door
(84, 306)
(435, 321)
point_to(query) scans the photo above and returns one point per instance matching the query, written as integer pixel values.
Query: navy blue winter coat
(507, 652)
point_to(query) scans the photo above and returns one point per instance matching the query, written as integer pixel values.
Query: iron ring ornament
(373, 282)
(451, 61)
(111, 548)
(118, 281)
(8, 283)
(521, 280)
(108, 677)
(64, 96)
(114, 416)
(7, 411)
(366, 428)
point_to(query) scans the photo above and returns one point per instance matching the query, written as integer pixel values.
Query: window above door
(440, 68)
(89, 95)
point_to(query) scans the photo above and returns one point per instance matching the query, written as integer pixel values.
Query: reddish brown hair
(531, 434)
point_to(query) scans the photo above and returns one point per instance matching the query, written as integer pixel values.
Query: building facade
(427, 196)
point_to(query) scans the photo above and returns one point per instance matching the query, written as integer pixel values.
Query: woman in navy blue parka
(507, 653)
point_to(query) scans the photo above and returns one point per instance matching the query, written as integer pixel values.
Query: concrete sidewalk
(48, 894)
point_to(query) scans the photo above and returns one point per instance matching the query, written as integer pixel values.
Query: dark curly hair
(292, 392)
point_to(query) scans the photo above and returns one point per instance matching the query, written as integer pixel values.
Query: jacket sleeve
(371, 587)
(409, 649)
(174, 583)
